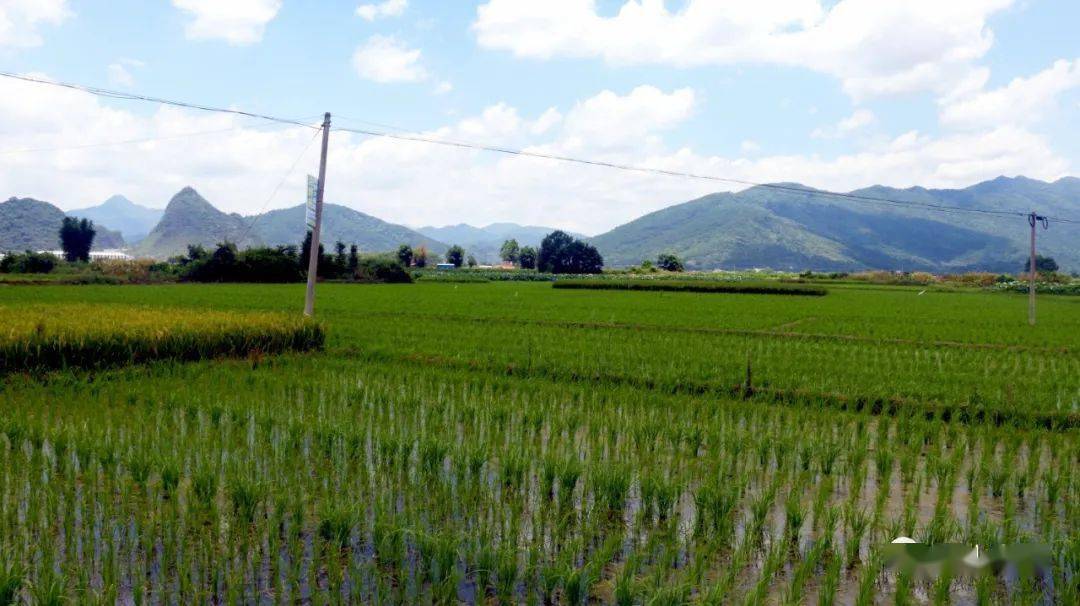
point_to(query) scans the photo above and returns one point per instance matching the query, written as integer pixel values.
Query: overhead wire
(277, 188)
(132, 141)
(113, 94)
(403, 135)
(672, 173)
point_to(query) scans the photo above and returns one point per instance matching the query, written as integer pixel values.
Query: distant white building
(109, 254)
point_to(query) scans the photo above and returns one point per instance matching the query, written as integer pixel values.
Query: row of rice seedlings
(334, 480)
(1018, 386)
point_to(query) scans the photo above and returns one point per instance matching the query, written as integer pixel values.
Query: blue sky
(836, 94)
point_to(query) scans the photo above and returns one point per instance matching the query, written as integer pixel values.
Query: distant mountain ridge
(132, 220)
(795, 230)
(29, 224)
(485, 242)
(191, 219)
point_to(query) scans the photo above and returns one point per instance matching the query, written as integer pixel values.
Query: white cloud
(120, 75)
(873, 47)
(609, 120)
(1022, 101)
(412, 182)
(237, 22)
(120, 72)
(443, 87)
(389, 8)
(19, 20)
(387, 59)
(857, 121)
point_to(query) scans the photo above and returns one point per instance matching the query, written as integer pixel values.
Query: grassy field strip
(693, 286)
(778, 331)
(874, 405)
(966, 318)
(58, 337)
(978, 378)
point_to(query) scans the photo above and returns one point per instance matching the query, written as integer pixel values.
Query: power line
(671, 173)
(402, 136)
(128, 141)
(112, 94)
(288, 174)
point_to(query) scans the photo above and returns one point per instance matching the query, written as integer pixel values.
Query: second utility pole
(313, 250)
(1033, 220)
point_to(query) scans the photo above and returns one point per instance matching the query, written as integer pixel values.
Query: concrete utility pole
(1033, 220)
(313, 250)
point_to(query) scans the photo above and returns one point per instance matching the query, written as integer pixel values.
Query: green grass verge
(752, 288)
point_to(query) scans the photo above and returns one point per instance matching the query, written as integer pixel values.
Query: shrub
(226, 264)
(670, 262)
(758, 288)
(269, 265)
(28, 263)
(380, 268)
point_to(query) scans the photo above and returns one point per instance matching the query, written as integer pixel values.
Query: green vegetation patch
(456, 278)
(57, 337)
(751, 288)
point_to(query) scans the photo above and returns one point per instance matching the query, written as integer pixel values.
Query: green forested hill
(28, 224)
(763, 227)
(190, 219)
(340, 223)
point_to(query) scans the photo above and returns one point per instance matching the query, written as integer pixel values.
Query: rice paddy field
(515, 443)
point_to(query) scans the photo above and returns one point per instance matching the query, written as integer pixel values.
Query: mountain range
(782, 226)
(795, 227)
(29, 224)
(132, 220)
(191, 219)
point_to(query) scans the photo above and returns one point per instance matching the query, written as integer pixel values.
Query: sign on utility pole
(312, 188)
(313, 249)
(1033, 220)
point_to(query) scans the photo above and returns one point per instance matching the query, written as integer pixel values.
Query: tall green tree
(76, 238)
(1043, 265)
(562, 254)
(305, 256)
(527, 257)
(455, 255)
(354, 259)
(510, 251)
(405, 255)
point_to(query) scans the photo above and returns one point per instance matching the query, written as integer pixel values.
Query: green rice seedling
(793, 513)
(610, 486)
(857, 522)
(868, 581)
(831, 581)
(336, 523)
(12, 577)
(246, 496)
(50, 590)
(506, 575)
